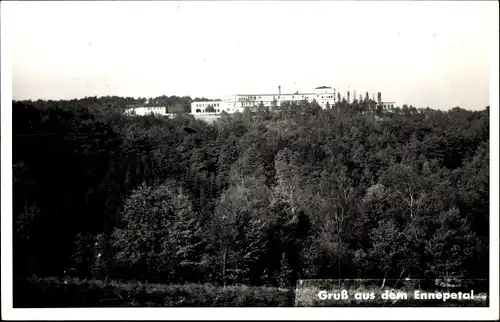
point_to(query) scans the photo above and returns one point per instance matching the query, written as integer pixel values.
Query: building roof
(276, 94)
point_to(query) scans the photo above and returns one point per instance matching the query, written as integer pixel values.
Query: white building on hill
(324, 95)
(236, 103)
(146, 110)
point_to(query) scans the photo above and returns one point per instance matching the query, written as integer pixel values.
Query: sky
(435, 54)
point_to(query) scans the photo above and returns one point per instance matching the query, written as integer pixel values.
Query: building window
(198, 110)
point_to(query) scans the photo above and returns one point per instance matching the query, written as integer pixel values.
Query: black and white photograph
(306, 156)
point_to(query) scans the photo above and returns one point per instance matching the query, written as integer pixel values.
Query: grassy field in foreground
(55, 292)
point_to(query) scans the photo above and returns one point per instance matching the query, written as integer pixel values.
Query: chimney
(279, 90)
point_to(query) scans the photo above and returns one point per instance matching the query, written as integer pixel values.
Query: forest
(260, 198)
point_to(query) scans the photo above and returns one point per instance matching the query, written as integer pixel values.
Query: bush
(51, 292)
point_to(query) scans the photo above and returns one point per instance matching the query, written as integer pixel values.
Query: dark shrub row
(53, 292)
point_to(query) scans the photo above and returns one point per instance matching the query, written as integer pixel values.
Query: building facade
(387, 105)
(146, 110)
(149, 110)
(323, 95)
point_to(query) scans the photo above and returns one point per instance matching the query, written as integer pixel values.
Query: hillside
(257, 198)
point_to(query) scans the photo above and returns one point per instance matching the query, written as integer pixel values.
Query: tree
(102, 256)
(274, 104)
(285, 273)
(387, 248)
(406, 190)
(263, 112)
(177, 108)
(210, 109)
(451, 246)
(159, 236)
(239, 220)
(83, 254)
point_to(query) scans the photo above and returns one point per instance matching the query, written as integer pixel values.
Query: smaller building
(387, 104)
(144, 110)
(208, 107)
